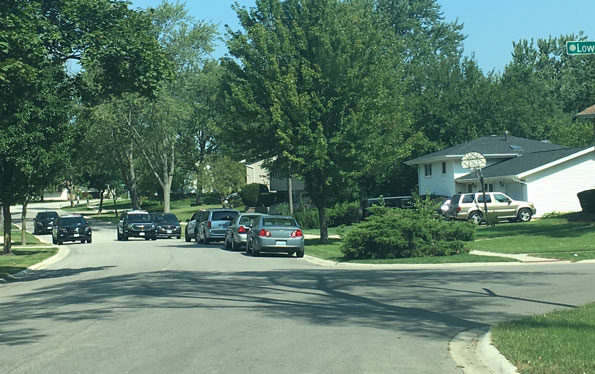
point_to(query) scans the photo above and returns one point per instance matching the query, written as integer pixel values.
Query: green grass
(331, 231)
(16, 237)
(563, 235)
(332, 252)
(557, 342)
(22, 258)
(569, 256)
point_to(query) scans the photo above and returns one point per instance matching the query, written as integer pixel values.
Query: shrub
(397, 233)
(307, 218)
(491, 219)
(250, 193)
(587, 200)
(344, 214)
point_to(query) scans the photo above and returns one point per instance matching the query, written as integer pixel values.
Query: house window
(470, 188)
(489, 187)
(444, 168)
(428, 170)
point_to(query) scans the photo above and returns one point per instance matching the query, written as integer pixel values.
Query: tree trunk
(322, 223)
(24, 221)
(1, 217)
(101, 192)
(133, 187)
(7, 229)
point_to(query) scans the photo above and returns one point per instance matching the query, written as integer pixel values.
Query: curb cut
(473, 352)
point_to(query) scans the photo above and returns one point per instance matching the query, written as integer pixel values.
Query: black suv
(166, 225)
(71, 228)
(138, 224)
(43, 222)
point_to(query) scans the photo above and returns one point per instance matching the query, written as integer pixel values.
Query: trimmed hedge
(397, 233)
(587, 200)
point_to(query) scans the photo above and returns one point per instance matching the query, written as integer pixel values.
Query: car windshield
(224, 216)
(139, 218)
(165, 218)
(281, 221)
(67, 221)
(44, 215)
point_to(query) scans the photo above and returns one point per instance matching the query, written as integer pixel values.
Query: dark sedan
(71, 228)
(275, 234)
(43, 222)
(166, 225)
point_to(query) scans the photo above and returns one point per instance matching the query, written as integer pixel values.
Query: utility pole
(290, 193)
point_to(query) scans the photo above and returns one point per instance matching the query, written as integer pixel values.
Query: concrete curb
(62, 253)
(473, 352)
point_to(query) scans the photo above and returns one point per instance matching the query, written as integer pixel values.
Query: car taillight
(297, 233)
(264, 232)
(208, 224)
(458, 209)
(241, 230)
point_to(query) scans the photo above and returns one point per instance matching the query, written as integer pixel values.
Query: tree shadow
(33, 275)
(406, 301)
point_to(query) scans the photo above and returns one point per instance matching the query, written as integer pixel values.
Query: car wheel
(124, 237)
(119, 236)
(89, 239)
(82, 241)
(196, 237)
(59, 242)
(178, 237)
(186, 237)
(154, 237)
(205, 240)
(476, 217)
(248, 249)
(299, 254)
(524, 215)
(226, 244)
(234, 246)
(147, 238)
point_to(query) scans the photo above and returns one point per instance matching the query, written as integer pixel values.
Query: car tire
(119, 236)
(59, 242)
(475, 217)
(234, 246)
(89, 240)
(124, 237)
(82, 241)
(248, 249)
(178, 237)
(299, 254)
(205, 240)
(524, 215)
(196, 237)
(226, 244)
(187, 237)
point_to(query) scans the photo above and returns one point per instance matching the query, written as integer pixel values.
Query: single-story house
(549, 175)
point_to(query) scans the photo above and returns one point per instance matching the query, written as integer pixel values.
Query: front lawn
(16, 237)
(561, 237)
(557, 342)
(22, 258)
(332, 252)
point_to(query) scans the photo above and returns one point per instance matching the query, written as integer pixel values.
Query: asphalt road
(170, 306)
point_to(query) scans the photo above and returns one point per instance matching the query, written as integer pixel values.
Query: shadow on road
(437, 303)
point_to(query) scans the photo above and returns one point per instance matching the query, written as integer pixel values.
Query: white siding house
(546, 174)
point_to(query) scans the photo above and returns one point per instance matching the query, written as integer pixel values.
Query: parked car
(211, 224)
(275, 234)
(470, 206)
(166, 225)
(403, 202)
(71, 228)
(137, 224)
(237, 231)
(43, 222)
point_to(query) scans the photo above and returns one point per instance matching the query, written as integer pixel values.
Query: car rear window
(224, 215)
(72, 220)
(282, 221)
(245, 220)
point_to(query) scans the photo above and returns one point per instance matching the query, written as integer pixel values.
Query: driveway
(170, 306)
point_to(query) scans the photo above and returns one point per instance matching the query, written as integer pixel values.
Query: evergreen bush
(397, 233)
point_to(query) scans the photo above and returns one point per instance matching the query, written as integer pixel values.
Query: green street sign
(580, 48)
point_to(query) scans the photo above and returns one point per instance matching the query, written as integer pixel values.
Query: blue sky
(490, 26)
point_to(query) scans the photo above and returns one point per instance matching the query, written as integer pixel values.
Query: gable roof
(490, 146)
(587, 113)
(527, 163)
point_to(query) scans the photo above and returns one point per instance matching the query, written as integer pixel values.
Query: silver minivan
(210, 224)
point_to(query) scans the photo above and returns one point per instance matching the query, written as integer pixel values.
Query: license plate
(76, 235)
(169, 231)
(142, 234)
(49, 227)
(281, 243)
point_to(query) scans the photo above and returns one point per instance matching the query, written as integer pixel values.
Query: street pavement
(170, 306)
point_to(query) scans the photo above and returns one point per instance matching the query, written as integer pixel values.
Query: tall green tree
(314, 91)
